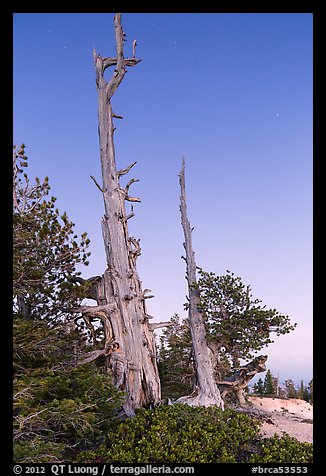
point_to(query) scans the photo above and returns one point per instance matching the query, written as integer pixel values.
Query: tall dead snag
(129, 345)
(206, 391)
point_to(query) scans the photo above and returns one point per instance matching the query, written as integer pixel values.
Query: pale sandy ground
(292, 416)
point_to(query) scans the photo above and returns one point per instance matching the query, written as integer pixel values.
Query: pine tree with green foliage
(175, 362)
(306, 394)
(303, 392)
(258, 388)
(237, 324)
(269, 384)
(311, 391)
(46, 251)
(60, 407)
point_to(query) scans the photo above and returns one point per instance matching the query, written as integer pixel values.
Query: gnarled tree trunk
(129, 344)
(241, 377)
(206, 391)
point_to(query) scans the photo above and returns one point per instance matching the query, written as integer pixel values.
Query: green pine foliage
(258, 388)
(46, 250)
(291, 391)
(303, 392)
(59, 407)
(311, 390)
(175, 363)
(239, 324)
(184, 434)
(269, 387)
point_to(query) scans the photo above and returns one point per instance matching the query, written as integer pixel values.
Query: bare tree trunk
(206, 391)
(129, 341)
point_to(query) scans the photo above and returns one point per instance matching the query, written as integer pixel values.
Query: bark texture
(206, 391)
(129, 345)
(241, 377)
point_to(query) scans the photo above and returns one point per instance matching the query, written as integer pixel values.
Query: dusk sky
(232, 93)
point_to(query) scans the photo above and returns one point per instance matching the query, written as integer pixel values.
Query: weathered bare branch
(130, 183)
(134, 44)
(101, 64)
(225, 382)
(120, 69)
(127, 197)
(96, 183)
(131, 214)
(92, 309)
(132, 199)
(92, 290)
(126, 170)
(148, 316)
(125, 192)
(95, 354)
(76, 279)
(134, 253)
(107, 62)
(158, 325)
(143, 294)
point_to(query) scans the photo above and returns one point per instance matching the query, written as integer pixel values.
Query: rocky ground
(292, 416)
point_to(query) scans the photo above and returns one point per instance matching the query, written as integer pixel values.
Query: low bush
(183, 434)
(283, 449)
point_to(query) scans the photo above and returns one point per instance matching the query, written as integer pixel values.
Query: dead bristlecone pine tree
(129, 346)
(206, 391)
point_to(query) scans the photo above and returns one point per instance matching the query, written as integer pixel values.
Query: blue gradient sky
(230, 92)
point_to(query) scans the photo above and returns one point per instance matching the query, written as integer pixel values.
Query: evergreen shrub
(184, 434)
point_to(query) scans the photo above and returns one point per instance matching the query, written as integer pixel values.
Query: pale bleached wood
(121, 300)
(206, 391)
